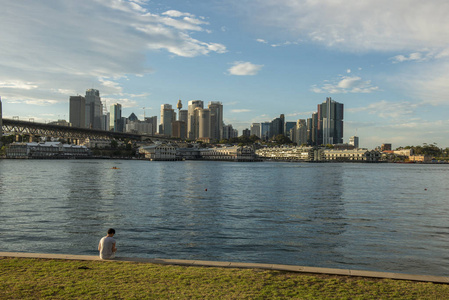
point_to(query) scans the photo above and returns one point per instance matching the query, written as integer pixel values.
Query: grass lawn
(23, 278)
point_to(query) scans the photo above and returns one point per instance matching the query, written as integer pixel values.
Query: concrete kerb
(222, 264)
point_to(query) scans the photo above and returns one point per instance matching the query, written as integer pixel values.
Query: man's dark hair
(111, 231)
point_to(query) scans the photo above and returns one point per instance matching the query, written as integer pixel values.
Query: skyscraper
(192, 122)
(203, 116)
(354, 141)
(77, 111)
(330, 122)
(115, 118)
(216, 120)
(168, 115)
(255, 129)
(94, 109)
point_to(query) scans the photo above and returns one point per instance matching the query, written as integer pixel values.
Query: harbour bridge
(36, 129)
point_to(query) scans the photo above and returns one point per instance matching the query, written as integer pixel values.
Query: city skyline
(259, 59)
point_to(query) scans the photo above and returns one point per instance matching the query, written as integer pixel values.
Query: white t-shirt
(106, 244)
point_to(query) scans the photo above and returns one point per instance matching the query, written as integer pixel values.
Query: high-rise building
(115, 119)
(354, 141)
(277, 126)
(153, 122)
(183, 116)
(77, 111)
(330, 122)
(229, 132)
(168, 115)
(385, 147)
(265, 131)
(192, 122)
(94, 109)
(246, 132)
(288, 126)
(216, 120)
(300, 132)
(255, 129)
(203, 116)
(179, 129)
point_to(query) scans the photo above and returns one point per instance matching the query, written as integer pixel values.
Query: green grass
(22, 278)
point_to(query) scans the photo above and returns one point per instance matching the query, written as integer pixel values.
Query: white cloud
(261, 41)
(352, 25)
(346, 84)
(50, 46)
(244, 68)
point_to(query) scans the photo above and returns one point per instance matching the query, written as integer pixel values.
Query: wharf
(223, 264)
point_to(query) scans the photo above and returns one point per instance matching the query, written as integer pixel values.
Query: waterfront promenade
(223, 264)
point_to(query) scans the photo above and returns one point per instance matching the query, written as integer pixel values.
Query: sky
(386, 61)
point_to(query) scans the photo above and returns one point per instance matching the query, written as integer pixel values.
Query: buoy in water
(205, 190)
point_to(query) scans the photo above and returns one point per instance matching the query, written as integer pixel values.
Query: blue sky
(388, 62)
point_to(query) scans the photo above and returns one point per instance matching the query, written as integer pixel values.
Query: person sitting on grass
(107, 245)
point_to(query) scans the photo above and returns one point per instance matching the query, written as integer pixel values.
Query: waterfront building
(354, 141)
(94, 109)
(168, 115)
(232, 153)
(46, 150)
(115, 122)
(355, 155)
(192, 122)
(77, 111)
(216, 120)
(159, 152)
(330, 122)
(255, 129)
(97, 143)
(287, 153)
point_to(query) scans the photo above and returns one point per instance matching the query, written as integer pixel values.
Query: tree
(114, 144)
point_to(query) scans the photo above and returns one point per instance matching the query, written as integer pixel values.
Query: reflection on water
(383, 217)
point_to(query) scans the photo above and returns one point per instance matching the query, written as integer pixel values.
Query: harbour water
(383, 217)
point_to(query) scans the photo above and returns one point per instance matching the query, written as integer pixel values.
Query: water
(383, 217)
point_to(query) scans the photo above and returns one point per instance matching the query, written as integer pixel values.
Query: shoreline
(238, 265)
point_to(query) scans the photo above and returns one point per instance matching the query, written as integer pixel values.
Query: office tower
(229, 132)
(153, 122)
(255, 129)
(300, 132)
(77, 111)
(288, 126)
(330, 122)
(203, 117)
(246, 132)
(132, 117)
(265, 131)
(94, 109)
(277, 126)
(312, 129)
(168, 115)
(216, 120)
(105, 122)
(192, 123)
(115, 119)
(183, 116)
(354, 141)
(179, 129)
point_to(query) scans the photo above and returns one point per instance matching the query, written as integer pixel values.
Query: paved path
(203, 263)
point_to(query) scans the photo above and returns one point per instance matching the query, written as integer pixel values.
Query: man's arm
(113, 248)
